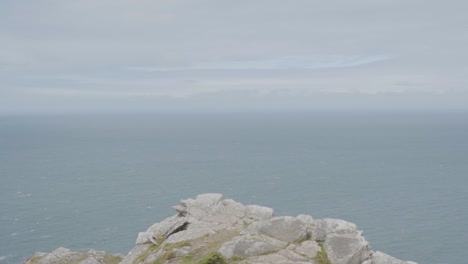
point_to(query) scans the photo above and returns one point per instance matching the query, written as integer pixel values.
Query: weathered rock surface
(239, 234)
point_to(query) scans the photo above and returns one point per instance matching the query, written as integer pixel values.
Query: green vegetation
(235, 259)
(152, 249)
(165, 257)
(169, 247)
(322, 256)
(112, 259)
(167, 253)
(268, 252)
(213, 258)
(34, 259)
(187, 260)
(159, 239)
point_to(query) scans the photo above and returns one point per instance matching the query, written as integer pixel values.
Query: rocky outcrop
(210, 229)
(64, 255)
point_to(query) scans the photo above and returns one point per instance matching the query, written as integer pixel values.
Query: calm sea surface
(95, 181)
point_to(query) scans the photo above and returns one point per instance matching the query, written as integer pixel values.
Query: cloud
(281, 63)
(133, 50)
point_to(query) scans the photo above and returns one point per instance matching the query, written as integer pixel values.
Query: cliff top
(210, 229)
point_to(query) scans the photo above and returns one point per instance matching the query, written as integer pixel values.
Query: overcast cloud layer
(129, 54)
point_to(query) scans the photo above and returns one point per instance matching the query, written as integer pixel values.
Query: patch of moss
(112, 259)
(235, 259)
(169, 247)
(159, 239)
(187, 260)
(79, 258)
(34, 259)
(212, 243)
(165, 257)
(322, 256)
(268, 252)
(213, 258)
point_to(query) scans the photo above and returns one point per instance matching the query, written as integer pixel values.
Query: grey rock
(326, 226)
(204, 205)
(286, 228)
(208, 223)
(247, 245)
(161, 230)
(181, 209)
(308, 248)
(183, 251)
(347, 248)
(256, 212)
(134, 253)
(291, 255)
(190, 234)
(270, 258)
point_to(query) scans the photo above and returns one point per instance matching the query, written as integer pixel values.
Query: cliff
(210, 229)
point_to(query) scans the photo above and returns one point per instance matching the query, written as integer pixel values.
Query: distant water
(96, 181)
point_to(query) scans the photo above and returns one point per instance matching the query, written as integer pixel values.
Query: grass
(322, 256)
(187, 260)
(213, 258)
(235, 259)
(202, 251)
(268, 252)
(152, 249)
(169, 247)
(112, 259)
(165, 257)
(34, 259)
(159, 239)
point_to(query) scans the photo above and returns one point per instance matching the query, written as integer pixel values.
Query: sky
(62, 56)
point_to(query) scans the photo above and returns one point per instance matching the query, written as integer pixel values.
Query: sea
(86, 181)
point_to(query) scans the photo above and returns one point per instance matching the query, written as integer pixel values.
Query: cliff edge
(213, 230)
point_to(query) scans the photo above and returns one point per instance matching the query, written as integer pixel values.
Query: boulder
(308, 248)
(256, 212)
(285, 228)
(324, 227)
(248, 245)
(346, 248)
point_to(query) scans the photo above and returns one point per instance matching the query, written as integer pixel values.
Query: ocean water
(95, 181)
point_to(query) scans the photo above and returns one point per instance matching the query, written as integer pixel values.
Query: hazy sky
(86, 55)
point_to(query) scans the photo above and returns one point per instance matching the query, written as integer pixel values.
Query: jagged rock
(136, 252)
(189, 234)
(271, 259)
(291, 254)
(242, 233)
(181, 209)
(204, 205)
(308, 249)
(324, 227)
(286, 228)
(162, 230)
(256, 212)
(346, 248)
(247, 245)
